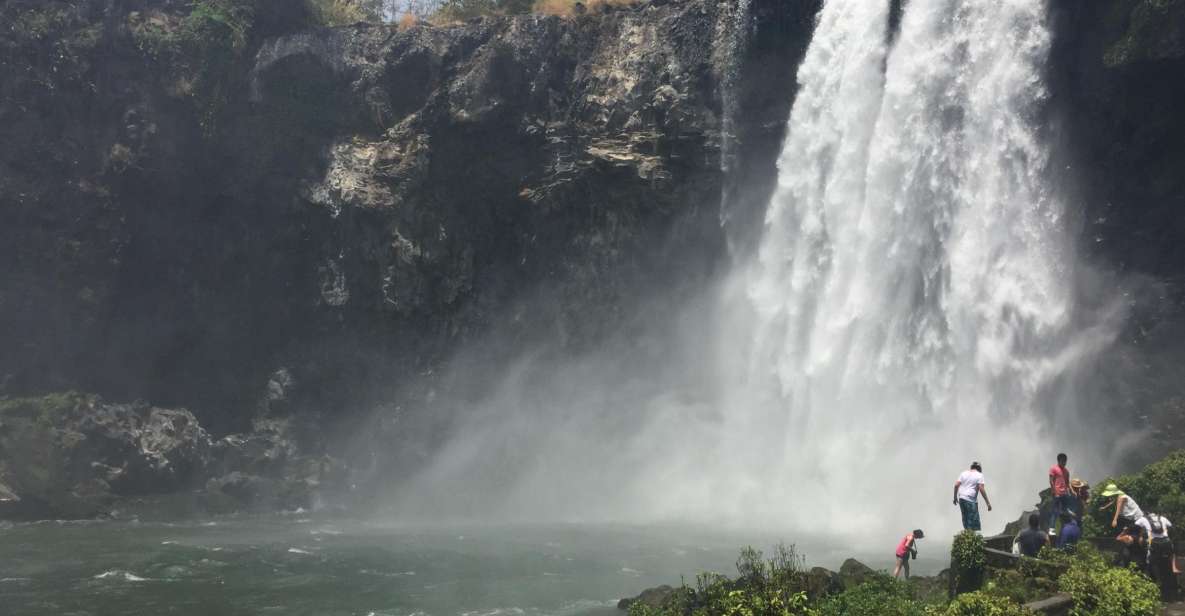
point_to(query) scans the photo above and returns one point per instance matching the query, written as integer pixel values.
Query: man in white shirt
(968, 487)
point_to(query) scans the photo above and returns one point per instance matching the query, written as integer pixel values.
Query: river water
(294, 565)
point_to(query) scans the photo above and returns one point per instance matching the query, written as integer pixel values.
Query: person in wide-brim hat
(1126, 508)
(1081, 491)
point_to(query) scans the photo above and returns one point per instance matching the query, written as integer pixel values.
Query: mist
(915, 303)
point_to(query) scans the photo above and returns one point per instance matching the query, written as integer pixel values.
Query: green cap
(1111, 490)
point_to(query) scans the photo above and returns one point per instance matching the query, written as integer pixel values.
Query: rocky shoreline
(820, 581)
(77, 456)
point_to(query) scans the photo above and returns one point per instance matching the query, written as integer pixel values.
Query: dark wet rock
(364, 202)
(853, 572)
(1013, 528)
(77, 456)
(821, 581)
(256, 493)
(71, 455)
(652, 597)
(1116, 102)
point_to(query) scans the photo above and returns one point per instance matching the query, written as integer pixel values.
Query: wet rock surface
(77, 456)
(362, 201)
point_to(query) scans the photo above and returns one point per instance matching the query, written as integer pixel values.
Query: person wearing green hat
(1126, 508)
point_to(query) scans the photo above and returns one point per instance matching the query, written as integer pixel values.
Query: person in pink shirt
(1063, 493)
(905, 550)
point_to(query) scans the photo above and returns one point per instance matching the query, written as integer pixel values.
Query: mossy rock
(1148, 30)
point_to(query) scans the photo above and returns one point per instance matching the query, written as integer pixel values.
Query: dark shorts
(970, 511)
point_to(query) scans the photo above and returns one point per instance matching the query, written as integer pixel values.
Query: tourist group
(1144, 536)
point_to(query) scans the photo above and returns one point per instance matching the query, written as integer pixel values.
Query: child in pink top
(905, 550)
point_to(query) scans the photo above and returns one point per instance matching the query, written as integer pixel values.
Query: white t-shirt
(1130, 509)
(1146, 524)
(969, 482)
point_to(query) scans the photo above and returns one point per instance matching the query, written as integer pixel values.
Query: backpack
(1155, 523)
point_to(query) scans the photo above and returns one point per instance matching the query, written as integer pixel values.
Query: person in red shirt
(1063, 493)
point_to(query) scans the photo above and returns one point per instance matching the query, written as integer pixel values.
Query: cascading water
(911, 306)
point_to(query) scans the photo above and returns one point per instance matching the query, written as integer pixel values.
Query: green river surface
(326, 567)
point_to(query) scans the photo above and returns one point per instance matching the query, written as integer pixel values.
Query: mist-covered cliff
(285, 227)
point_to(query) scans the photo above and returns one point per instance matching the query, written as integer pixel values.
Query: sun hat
(1077, 483)
(1111, 490)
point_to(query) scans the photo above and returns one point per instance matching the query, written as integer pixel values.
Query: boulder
(71, 455)
(821, 581)
(651, 597)
(853, 573)
(76, 456)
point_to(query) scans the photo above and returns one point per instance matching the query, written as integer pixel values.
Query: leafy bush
(773, 587)
(1099, 590)
(879, 596)
(983, 604)
(1018, 587)
(568, 7)
(460, 10)
(968, 560)
(345, 12)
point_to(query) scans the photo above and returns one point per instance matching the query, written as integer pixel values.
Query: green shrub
(44, 410)
(968, 561)
(879, 596)
(983, 604)
(35, 24)
(1099, 590)
(773, 587)
(1018, 587)
(345, 12)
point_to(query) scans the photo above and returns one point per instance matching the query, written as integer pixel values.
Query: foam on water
(118, 574)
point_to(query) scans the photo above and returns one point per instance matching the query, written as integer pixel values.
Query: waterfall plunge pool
(316, 566)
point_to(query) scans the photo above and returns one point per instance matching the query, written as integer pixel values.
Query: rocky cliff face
(1117, 106)
(348, 201)
(280, 222)
(191, 209)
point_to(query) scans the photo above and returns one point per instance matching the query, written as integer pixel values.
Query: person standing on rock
(968, 487)
(1059, 487)
(907, 549)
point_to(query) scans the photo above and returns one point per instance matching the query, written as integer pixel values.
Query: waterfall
(910, 308)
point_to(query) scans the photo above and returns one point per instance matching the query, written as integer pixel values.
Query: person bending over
(1071, 532)
(1127, 511)
(907, 549)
